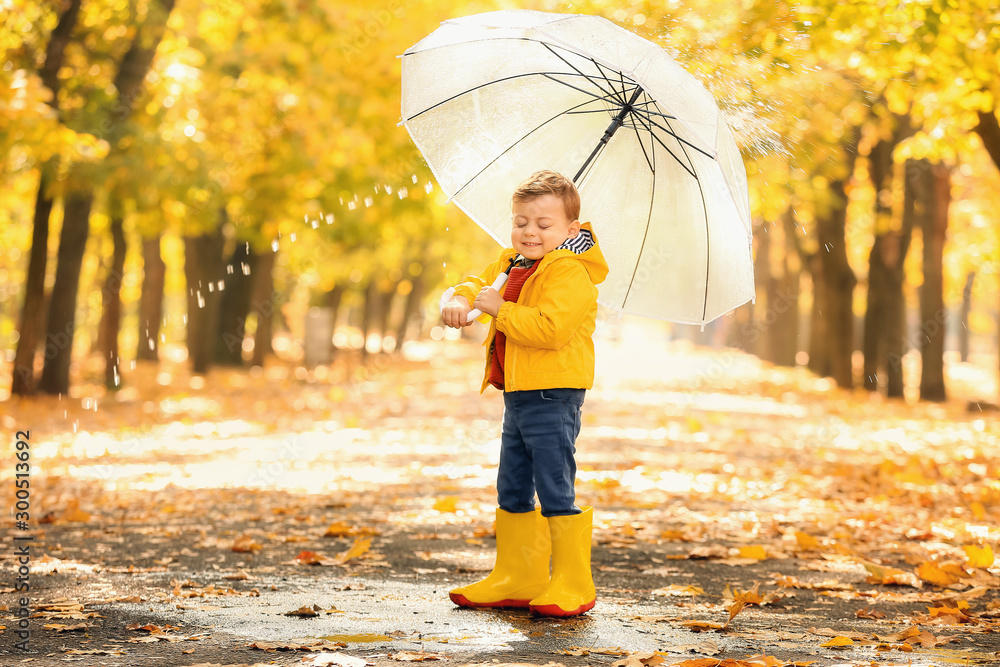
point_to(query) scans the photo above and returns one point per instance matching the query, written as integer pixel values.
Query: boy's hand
(489, 301)
(456, 312)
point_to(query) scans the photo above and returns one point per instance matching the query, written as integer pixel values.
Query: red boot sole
(463, 601)
(556, 610)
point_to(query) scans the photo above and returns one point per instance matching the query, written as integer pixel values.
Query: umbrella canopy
(489, 99)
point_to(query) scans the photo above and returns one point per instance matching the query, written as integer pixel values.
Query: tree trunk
(783, 334)
(934, 225)
(963, 324)
(386, 296)
(834, 302)
(332, 301)
(235, 305)
(203, 271)
(885, 315)
(62, 307)
(410, 308)
(154, 272)
(263, 305)
(32, 321)
(989, 131)
(32, 311)
(751, 332)
(128, 81)
(819, 343)
(111, 298)
(369, 312)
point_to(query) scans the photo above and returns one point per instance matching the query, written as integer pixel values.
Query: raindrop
(292, 236)
(305, 218)
(246, 268)
(201, 300)
(369, 201)
(388, 189)
(403, 193)
(350, 206)
(274, 246)
(329, 218)
(428, 186)
(151, 344)
(315, 224)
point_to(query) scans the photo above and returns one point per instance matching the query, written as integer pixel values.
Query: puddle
(357, 638)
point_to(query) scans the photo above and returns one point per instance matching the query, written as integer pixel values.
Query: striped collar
(581, 243)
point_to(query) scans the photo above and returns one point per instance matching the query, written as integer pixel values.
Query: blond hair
(550, 183)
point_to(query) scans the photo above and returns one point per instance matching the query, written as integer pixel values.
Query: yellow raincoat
(550, 327)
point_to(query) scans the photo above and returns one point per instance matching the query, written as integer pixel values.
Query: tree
(131, 71)
(32, 322)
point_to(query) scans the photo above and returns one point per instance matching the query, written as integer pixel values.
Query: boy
(541, 355)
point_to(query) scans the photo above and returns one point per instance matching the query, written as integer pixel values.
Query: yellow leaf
(978, 510)
(756, 552)
(806, 541)
(446, 504)
(359, 548)
(931, 572)
(679, 590)
(338, 529)
(979, 556)
(838, 642)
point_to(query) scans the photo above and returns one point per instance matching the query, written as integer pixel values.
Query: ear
(574, 229)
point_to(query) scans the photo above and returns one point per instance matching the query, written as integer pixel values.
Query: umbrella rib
(671, 132)
(515, 143)
(688, 169)
(643, 147)
(649, 219)
(708, 239)
(593, 80)
(551, 77)
(506, 78)
(654, 113)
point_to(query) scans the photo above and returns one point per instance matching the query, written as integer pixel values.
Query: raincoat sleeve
(568, 297)
(473, 284)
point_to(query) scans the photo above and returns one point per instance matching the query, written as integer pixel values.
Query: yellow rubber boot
(522, 568)
(571, 590)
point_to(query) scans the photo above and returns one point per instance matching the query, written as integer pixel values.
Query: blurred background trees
(214, 175)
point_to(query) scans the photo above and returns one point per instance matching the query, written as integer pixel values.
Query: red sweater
(512, 290)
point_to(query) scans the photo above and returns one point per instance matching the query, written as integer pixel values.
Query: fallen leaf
(303, 611)
(313, 558)
(446, 504)
(838, 642)
(642, 659)
(979, 556)
(933, 573)
(245, 543)
(415, 656)
(60, 627)
(806, 541)
(93, 651)
(865, 612)
(359, 548)
(755, 552)
(701, 626)
(679, 591)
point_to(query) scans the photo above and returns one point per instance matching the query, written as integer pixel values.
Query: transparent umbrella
(491, 98)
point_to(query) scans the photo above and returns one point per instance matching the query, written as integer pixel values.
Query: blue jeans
(536, 451)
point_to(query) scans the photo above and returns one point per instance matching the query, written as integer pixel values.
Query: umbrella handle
(498, 284)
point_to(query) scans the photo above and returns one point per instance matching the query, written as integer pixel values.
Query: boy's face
(540, 226)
